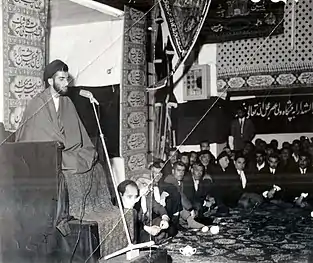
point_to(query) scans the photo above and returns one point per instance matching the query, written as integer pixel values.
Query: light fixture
(106, 9)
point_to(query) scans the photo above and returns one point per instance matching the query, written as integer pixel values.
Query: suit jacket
(196, 197)
(186, 204)
(229, 190)
(248, 133)
(217, 170)
(151, 210)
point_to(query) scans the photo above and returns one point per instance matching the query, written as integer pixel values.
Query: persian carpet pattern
(24, 43)
(267, 235)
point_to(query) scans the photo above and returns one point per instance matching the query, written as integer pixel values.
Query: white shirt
(56, 101)
(303, 170)
(156, 193)
(259, 167)
(241, 121)
(196, 184)
(272, 170)
(296, 158)
(243, 178)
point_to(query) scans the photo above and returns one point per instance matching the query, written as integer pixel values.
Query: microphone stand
(132, 249)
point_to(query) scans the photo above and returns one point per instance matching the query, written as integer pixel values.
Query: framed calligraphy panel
(197, 83)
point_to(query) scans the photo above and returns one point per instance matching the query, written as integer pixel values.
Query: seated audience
(188, 213)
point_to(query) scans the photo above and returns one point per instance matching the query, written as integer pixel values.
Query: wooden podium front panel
(28, 192)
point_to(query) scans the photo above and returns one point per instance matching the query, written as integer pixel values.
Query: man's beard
(60, 91)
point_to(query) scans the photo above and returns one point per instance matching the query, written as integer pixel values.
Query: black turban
(54, 67)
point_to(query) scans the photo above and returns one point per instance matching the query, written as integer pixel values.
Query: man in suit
(242, 130)
(197, 189)
(173, 158)
(188, 212)
(222, 165)
(152, 217)
(259, 164)
(303, 166)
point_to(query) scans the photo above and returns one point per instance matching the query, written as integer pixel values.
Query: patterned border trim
(24, 50)
(269, 80)
(275, 68)
(134, 109)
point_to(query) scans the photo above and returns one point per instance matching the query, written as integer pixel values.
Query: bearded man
(51, 116)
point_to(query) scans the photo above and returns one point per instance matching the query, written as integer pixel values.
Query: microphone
(87, 94)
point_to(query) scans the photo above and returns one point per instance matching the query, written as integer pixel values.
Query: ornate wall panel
(24, 32)
(276, 64)
(134, 108)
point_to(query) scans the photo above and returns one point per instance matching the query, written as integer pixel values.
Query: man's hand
(208, 203)
(271, 193)
(164, 224)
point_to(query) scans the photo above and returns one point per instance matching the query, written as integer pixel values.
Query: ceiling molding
(101, 7)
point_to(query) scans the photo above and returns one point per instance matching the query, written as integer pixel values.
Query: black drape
(214, 127)
(109, 111)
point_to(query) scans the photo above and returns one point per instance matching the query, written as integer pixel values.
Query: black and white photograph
(156, 131)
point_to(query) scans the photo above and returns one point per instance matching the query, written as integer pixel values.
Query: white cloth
(243, 178)
(259, 167)
(56, 100)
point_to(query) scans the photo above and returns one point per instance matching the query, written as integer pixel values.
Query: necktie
(60, 122)
(241, 126)
(243, 179)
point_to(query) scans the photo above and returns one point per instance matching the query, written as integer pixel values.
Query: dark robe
(83, 176)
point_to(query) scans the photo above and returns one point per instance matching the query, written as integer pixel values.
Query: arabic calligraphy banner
(279, 114)
(134, 109)
(185, 20)
(24, 32)
(234, 20)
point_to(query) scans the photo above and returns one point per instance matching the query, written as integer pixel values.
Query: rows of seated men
(189, 185)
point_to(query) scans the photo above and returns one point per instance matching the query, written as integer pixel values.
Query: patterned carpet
(266, 235)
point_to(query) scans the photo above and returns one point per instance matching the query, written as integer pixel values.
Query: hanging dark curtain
(214, 127)
(109, 112)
